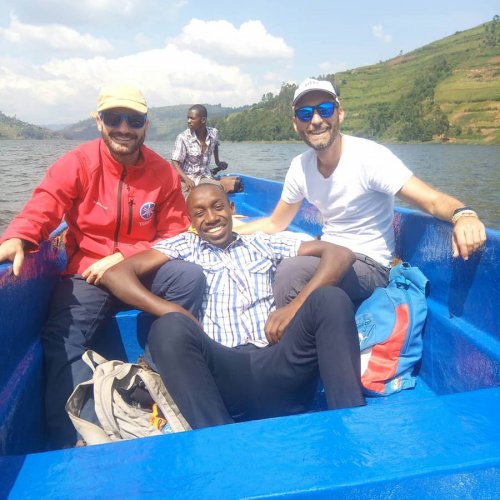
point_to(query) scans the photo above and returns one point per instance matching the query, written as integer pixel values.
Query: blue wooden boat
(439, 440)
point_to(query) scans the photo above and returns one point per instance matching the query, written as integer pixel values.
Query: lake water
(471, 173)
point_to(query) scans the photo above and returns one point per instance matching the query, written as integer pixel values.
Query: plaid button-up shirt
(188, 152)
(239, 296)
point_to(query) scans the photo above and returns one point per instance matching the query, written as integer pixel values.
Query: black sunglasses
(113, 119)
(324, 109)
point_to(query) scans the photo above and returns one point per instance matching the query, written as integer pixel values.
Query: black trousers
(77, 314)
(213, 384)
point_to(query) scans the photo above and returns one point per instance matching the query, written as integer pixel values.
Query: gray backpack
(130, 401)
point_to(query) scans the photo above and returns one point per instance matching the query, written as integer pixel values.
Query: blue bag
(390, 324)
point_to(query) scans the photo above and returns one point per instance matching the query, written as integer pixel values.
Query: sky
(55, 55)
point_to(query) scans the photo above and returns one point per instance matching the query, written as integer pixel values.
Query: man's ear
(98, 123)
(341, 114)
(294, 123)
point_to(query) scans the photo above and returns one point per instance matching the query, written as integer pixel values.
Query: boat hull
(440, 440)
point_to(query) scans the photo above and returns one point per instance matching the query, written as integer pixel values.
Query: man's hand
(469, 235)
(222, 165)
(13, 250)
(93, 273)
(278, 321)
(189, 182)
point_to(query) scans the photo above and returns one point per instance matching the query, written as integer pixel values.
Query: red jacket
(108, 207)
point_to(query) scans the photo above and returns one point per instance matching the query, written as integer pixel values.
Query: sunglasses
(324, 109)
(113, 119)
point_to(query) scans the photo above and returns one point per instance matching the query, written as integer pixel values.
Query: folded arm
(123, 281)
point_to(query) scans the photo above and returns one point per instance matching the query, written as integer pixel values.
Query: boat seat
(126, 338)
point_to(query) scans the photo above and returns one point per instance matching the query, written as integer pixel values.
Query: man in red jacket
(118, 198)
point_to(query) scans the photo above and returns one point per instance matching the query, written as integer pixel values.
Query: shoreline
(452, 142)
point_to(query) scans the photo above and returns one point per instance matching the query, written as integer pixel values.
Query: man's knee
(331, 301)
(291, 276)
(171, 333)
(180, 274)
(180, 282)
(192, 275)
(76, 312)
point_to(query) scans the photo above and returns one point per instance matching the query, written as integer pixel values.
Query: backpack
(130, 401)
(390, 324)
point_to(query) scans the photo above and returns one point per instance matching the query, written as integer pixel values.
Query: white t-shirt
(357, 200)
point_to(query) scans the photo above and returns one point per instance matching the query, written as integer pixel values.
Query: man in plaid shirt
(248, 360)
(193, 151)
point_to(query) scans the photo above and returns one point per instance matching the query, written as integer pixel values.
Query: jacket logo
(147, 210)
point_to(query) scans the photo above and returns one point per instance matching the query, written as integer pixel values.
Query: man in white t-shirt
(352, 182)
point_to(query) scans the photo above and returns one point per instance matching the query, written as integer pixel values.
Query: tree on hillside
(269, 120)
(492, 32)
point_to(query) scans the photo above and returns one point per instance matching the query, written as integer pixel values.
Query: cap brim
(307, 91)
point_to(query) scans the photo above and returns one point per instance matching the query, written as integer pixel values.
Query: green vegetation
(164, 122)
(448, 90)
(12, 128)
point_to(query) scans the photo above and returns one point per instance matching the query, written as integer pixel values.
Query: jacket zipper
(119, 208)
(130, 213)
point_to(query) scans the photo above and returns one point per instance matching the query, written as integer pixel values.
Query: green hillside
(164, 122)
(12, 128)
(448, 90)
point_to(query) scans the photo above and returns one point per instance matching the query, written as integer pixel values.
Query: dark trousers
(77, 313)
(359, 282)
(213, 384)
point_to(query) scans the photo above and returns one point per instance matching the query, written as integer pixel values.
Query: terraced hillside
(448, 90)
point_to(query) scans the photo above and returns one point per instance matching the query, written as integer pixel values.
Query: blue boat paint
(439, 440)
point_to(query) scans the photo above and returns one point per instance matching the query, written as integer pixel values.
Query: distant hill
(165, 122)
(448, 90)
(12, 128)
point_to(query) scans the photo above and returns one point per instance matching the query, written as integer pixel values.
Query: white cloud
(212, 62)
(54, 37)
(378, 32)
(65, 90)
(221, 39)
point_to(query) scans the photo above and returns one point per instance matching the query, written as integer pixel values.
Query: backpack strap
(90, 432)
(92, 359)
(404, 273)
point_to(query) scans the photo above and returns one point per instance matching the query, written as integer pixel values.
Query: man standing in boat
(193, 151)
(118, 198)
(352, 182)
(250, 360)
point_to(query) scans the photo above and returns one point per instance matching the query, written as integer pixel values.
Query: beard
(330, 131)
(123, 144)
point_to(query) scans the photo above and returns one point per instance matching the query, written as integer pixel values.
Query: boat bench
(126, 336)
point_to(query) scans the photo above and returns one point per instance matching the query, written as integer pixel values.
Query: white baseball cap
(310, 84)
